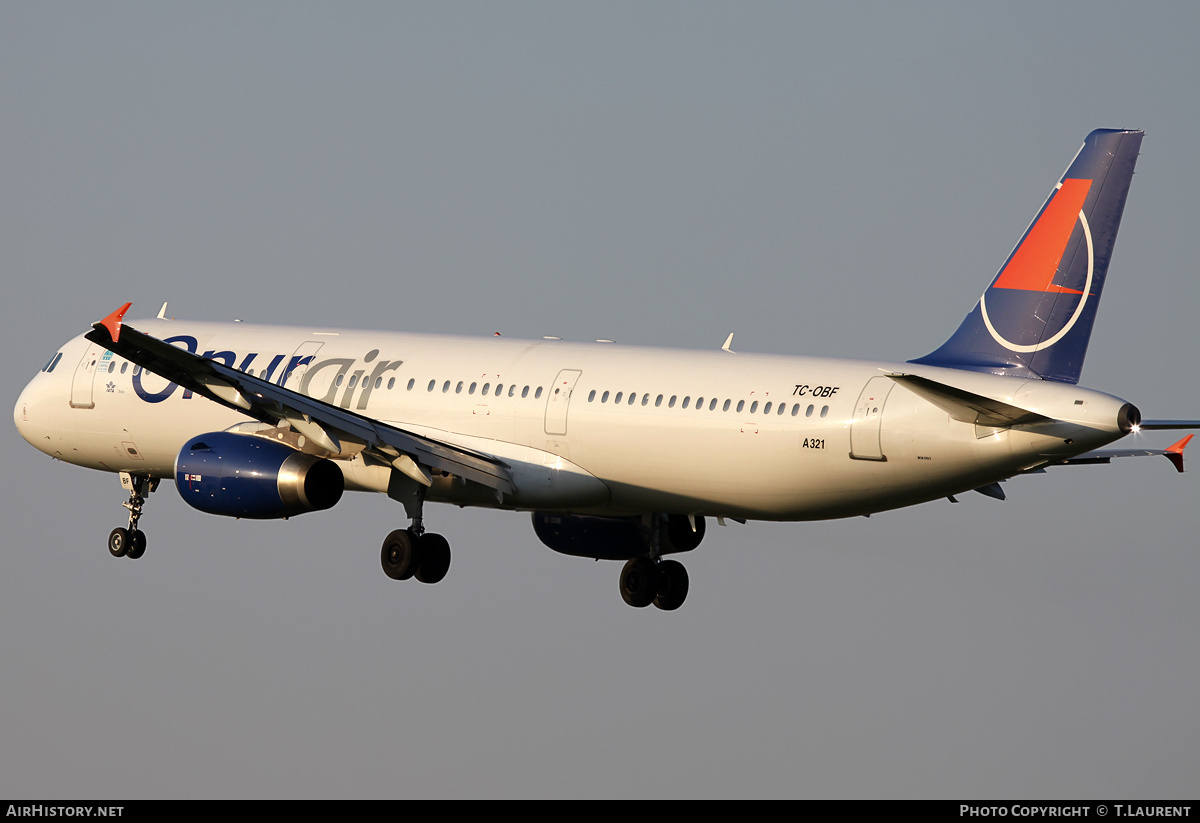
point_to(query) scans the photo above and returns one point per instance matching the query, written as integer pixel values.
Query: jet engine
(240, 475)
(615, 538)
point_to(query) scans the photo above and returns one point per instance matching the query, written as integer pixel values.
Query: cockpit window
(49, 367)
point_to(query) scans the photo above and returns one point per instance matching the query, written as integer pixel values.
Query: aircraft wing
(1174, 453)
(323, 423)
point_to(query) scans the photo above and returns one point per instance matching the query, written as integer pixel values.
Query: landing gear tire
(398, 556)
(118, 542)
(434, 552)
(672, 585)
(639, 582)
(137, 544)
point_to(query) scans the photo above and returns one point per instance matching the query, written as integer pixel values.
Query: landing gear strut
(413, 552)
(131, 542)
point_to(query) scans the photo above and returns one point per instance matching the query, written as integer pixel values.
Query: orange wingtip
(1179, 447)
(113, 322)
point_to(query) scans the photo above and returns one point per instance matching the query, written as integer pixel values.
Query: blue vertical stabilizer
(1036, 317)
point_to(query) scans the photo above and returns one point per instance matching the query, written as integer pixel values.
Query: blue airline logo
(333, 369)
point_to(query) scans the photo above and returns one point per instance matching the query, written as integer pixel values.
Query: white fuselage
(588, 428)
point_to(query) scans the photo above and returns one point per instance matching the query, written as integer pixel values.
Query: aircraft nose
(33, 414)
(21, 411)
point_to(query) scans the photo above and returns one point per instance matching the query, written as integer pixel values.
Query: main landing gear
(650, 579)
(412, 552)
(665, 583)
(131, 542)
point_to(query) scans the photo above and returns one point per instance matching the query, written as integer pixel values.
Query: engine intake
(240, 475)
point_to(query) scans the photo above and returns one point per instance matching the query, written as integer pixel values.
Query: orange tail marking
(1035, 263)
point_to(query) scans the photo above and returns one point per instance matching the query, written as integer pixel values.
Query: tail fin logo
(1034, 264)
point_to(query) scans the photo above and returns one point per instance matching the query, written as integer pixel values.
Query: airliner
(619, 452)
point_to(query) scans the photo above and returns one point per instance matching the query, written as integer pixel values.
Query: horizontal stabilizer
(1168, 425)
(968, 406)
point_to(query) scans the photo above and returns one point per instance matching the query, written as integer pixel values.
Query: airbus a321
(620, 453)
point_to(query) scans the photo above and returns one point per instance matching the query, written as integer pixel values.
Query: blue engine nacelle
(239, 475)
(614, 538)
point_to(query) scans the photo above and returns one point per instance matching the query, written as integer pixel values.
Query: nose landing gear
(131, 542)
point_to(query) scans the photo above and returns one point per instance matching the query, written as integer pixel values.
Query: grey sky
(836, 179)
